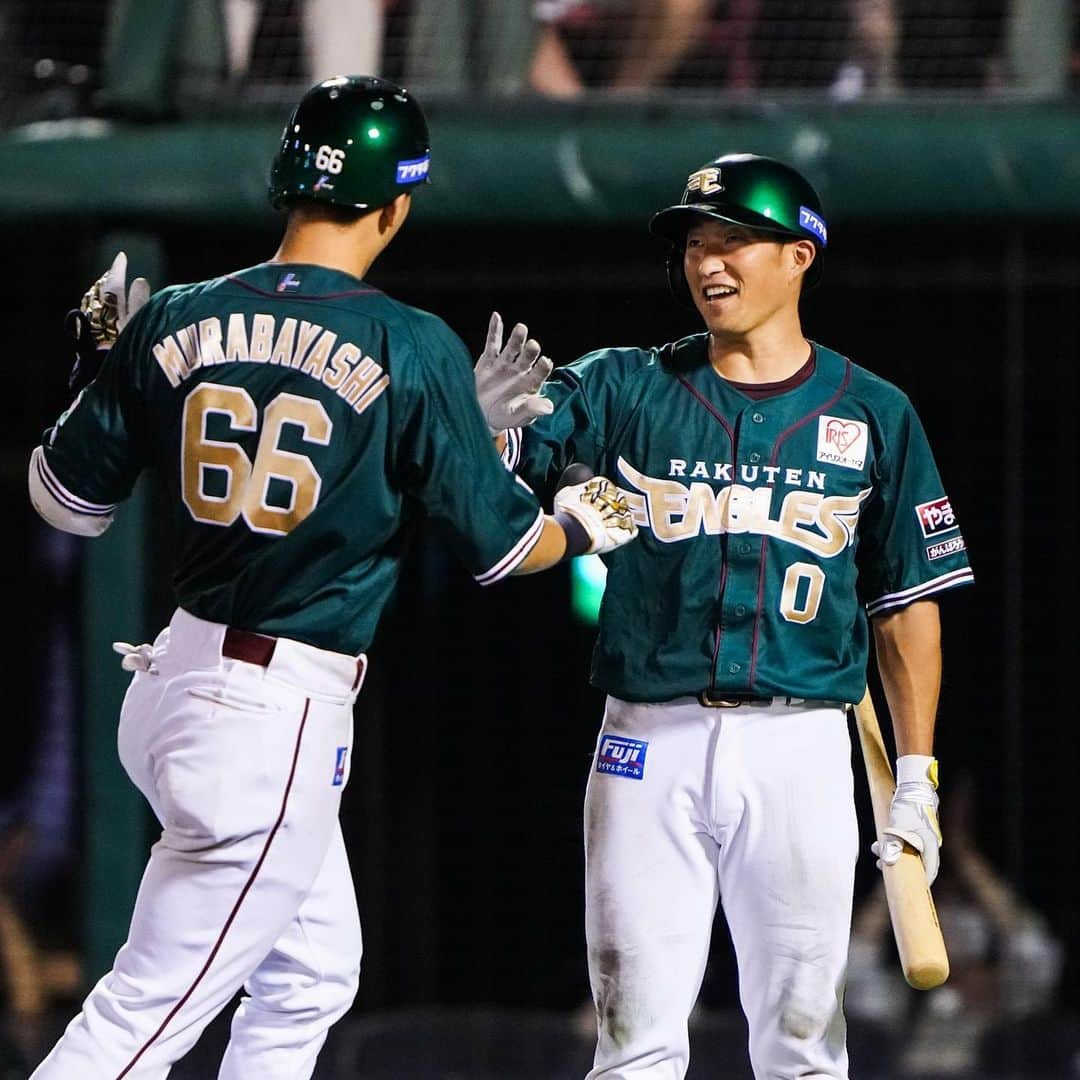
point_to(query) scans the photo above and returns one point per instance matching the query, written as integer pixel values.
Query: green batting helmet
(764, 194)
(353, 140)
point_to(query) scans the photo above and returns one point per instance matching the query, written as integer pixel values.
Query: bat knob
(575, 473)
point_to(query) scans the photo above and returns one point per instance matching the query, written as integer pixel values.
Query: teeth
(721, 290)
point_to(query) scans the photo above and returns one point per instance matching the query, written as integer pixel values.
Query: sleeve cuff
(507, 564)
(511, 454)
(891, 601)
(62, 508)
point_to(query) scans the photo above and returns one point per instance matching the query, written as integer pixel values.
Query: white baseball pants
(249, 885)
(752, 806)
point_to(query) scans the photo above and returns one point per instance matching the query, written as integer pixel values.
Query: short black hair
(318, 210)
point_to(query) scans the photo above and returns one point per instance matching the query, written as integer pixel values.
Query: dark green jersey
(769, 528)
(299, 421)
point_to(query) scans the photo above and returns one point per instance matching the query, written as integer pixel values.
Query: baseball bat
(911, 907)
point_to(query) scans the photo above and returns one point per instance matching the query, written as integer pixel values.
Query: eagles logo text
(819, 523)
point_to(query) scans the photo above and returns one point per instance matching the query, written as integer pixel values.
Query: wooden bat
(911, 907)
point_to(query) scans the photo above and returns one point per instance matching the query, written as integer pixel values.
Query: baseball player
(787, 500)
(299, 422)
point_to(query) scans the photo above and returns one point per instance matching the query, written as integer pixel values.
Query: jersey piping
(780, 440)
(298, 296)
(66, 498)
(920, 592)
(515, 555)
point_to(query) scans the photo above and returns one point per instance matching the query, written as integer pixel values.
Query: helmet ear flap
(676, 277)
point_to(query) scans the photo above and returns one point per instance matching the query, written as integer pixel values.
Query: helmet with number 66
(354, 141)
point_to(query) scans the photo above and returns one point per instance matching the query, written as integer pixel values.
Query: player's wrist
(917, 769)
(578, 539)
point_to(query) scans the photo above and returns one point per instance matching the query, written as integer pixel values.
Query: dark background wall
(476, 726)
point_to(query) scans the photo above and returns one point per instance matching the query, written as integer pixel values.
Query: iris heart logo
(842, 434)
(842, 442)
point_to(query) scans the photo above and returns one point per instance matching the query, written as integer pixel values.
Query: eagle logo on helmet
(706, 180)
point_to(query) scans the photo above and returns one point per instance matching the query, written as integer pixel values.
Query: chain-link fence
(60, 57)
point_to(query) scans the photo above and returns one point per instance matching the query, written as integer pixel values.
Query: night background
(476, 725)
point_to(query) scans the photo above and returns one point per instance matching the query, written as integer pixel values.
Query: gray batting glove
(109, 304)
(509, 377)
(913, 817)
(601, 509)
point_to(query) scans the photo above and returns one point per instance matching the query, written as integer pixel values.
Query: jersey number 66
(247, 484)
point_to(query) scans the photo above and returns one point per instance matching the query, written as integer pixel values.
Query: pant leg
(786, 878)
(651, 892)
(306, 983)
(243, 779)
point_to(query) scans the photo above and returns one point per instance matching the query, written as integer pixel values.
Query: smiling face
(741, 278)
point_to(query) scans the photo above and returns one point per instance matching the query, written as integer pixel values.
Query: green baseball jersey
(299, 421)
(769, 528)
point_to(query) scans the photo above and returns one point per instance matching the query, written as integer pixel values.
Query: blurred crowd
(53, 52)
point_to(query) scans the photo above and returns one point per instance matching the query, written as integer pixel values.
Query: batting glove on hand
(109, 304)
(601, 509)
(913, 815)
(102, 313)
(509, 377)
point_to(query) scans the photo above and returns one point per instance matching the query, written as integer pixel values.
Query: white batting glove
(108, 304)
(509, 377)
(913, 815)
(601, 509)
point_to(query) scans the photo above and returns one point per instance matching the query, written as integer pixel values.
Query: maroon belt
(258, 649)
(249, 647)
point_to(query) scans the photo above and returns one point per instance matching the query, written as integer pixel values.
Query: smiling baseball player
(299, 422)
(787, 499)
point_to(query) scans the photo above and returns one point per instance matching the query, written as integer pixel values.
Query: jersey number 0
(247, 483)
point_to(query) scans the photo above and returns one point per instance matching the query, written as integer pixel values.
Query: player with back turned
(787, 500)
(299, 422)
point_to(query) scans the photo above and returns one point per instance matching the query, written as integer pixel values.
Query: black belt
(249, 647)
(722, 699)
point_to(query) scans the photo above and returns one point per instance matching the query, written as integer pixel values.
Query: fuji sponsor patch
(946, 547)
(813, 224)
(621, 757)
(339, 767)
(412, 172)
(936, 517)
(842, 442)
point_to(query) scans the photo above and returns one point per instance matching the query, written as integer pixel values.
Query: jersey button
(744, 549)
(740, 609)
(755, 456)
(758, 418)
(734, 668)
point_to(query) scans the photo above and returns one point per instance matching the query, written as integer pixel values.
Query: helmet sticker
(706, 180)
(412, 172)
(813, 224)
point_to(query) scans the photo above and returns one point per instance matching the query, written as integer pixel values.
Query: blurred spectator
(1005, 968)
(466, 46)
(303, 40)
(875, 41)
(652, 38)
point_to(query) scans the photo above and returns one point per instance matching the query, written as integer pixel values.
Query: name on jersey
(819, 523)
(259, 339)
(936, 517)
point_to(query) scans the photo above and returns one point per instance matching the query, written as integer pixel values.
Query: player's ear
(392, 216)
(803, 254)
